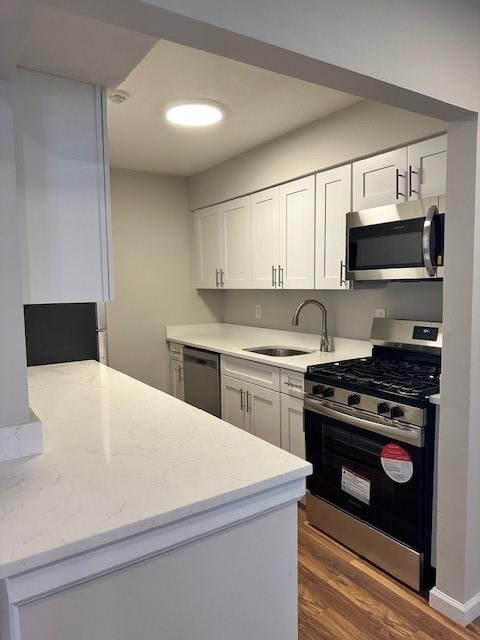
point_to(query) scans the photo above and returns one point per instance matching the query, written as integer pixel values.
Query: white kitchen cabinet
(292, 383)
(208, 248)
(251, 407)
(427, 168)
(266, 238)
(258, 373)
(234, 399)
(263, 407)
(296, 269)
(236, 244)
(380, 180)
(177, 379)
(293, 436)
(333, 202)
(63, 189)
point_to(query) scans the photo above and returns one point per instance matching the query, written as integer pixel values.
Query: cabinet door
(208, 251)
(297, 214)
(176, 379)
(333, 202)
(263, 408)
(427, 168)
(293, 436)
(63, 189)
(236, 244)
(380, 180)
(265, 216)
(234, 396)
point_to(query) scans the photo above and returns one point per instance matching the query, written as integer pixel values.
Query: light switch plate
(380, 313)
(258, 311)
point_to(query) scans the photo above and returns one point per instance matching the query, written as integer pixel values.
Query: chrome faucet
(324, 344)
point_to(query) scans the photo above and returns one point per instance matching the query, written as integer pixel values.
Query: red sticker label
(396, 462)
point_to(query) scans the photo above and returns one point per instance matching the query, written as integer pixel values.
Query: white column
(20, 432)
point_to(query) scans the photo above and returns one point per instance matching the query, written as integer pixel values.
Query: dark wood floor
(343, 597)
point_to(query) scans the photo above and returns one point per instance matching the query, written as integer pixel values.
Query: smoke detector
(118, 96)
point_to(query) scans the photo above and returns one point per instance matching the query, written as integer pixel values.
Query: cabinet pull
(216, 278)
(222, 283)
(249, 405)
(280, 276)
(180, 373)
(411, 172)
(398, 175)
(290, 385)
(343, 281)
(274, 277)
(242, 399)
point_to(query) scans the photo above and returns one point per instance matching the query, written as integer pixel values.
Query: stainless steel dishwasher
(201, 371)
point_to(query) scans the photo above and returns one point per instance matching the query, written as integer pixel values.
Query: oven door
(371, 470)
(395, 243)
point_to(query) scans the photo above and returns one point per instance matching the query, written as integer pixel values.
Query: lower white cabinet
(176, 379)
(293, 436)
(252, 408)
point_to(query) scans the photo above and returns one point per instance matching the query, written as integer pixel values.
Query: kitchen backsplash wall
(152, 250)
(350, 313)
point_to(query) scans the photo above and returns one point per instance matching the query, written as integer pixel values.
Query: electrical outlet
(258, 311)
(380, 313)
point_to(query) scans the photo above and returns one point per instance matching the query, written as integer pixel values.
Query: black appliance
(397, 242)
(370, 436)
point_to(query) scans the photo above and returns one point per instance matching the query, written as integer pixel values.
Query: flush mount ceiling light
(118, 96)
(195, 113)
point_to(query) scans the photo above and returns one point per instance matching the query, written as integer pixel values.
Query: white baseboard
(459, 612)
(21, 440)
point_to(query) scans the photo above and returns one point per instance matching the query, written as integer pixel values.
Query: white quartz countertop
(231, 339)
(121, 458)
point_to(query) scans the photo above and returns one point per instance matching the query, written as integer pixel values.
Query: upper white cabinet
(333, 202)
(208, 248)
(63, 189)
(266, 238)
(296, 269)
(416, 171)
(380, 180)
(236, 245)
(427, 168)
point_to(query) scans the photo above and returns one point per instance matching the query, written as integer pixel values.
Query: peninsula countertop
(121, 458)
(231, 339)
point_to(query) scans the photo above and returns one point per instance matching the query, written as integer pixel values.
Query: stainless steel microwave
(396, 242)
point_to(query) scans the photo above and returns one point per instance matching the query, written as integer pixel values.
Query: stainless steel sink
(277, 352)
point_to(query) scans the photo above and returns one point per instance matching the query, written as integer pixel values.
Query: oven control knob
(317, 389)
(396, 412)
(382, 407)
(328, 392)
(353, 398)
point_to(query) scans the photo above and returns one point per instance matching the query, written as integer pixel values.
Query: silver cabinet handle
(242, 399)
(280, 276)
(290, 385)
(411, 173)
(343, 281)
(426, 248)
(222, 283)
(216, 277)
(249, 401)
(274, 277)
(180, 373)
(398, 175)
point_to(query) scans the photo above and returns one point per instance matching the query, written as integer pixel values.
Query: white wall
(350, 313)
(152, 247)
(362, 129)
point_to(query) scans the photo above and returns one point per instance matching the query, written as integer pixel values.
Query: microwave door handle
(426, 249)
(408, 434)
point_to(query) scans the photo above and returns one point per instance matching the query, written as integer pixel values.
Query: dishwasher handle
(203, 358)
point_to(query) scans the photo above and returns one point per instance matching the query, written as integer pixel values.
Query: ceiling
(260, 105)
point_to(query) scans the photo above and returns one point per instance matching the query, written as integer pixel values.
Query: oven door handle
(409, 434)
(426, 249)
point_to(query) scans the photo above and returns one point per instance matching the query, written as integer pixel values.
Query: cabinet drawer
(292, 383)
(255, 372)
(176, 351)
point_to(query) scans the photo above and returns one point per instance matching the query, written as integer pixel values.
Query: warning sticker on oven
(355, 485)
(396, 462)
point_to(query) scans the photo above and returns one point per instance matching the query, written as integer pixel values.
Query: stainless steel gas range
(369, 432)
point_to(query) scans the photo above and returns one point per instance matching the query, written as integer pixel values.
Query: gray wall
(350, 313)
(362, 129)
(152, 245)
